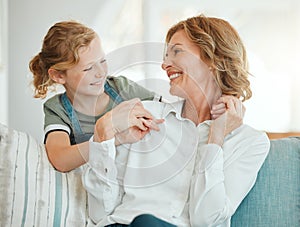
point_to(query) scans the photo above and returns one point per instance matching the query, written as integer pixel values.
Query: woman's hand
(231, 119)
(128, 115)
(217, 109)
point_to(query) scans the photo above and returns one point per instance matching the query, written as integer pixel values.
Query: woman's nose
(166, 63)
(163, 66)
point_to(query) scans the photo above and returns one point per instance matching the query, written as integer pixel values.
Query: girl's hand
(135, 134)
(231, 119)
(126, 115)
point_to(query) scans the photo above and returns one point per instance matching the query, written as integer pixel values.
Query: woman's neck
(199, 100)
(196, 111)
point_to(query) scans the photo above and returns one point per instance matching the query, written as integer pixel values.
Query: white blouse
(173, 173)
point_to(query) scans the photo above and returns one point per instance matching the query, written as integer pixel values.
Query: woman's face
(87, 78)
(187, 72)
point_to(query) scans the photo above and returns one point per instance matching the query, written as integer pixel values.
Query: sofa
(32, 193)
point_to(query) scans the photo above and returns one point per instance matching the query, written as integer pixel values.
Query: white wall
(3, 63)
(28, 22)
(270, 30)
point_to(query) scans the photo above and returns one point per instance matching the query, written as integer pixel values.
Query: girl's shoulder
(54, 101)
(129, 89)
(119, 82)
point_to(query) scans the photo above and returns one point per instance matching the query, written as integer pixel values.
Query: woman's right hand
(231, 119)
(128, 115)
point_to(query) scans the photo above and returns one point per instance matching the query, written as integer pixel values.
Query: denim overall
(79, 136)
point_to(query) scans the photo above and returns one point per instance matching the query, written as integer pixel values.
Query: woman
(194, 171)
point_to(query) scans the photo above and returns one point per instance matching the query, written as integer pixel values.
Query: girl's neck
(89, 105)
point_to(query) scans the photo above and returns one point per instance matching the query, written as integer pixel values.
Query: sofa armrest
(275, 198)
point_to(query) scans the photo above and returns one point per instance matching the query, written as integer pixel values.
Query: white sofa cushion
(32, 192)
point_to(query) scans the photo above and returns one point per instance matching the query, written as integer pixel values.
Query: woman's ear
(57, 76)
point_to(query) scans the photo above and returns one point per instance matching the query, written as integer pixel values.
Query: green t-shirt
(56, 118)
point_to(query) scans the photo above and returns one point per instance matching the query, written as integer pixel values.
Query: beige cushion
(32, 193)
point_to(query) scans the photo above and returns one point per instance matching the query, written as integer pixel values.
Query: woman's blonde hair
(222, 49)
(59, 52)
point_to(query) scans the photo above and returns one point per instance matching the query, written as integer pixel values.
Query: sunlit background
(270, 30)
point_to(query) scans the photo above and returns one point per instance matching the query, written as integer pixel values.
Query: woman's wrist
(216, 135)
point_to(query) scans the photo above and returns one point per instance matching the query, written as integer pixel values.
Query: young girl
(72, 56)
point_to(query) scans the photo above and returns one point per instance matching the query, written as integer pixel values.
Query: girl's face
(187, 72)
(87, 78)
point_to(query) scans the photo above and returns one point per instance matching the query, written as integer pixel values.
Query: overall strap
(112, 93)
(79, 136)
(71, 113)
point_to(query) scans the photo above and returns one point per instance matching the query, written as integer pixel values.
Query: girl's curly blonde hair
(59, 52)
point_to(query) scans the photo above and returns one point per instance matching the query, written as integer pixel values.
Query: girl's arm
(64, 156)
(128, 122)
(100, 179)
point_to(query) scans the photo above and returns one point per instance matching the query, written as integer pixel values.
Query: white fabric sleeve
(218, 186)
(100, 179)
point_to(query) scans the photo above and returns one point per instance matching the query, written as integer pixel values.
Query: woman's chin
(172, 91)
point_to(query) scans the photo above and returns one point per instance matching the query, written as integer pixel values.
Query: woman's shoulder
(150, 104)
(154, 107)
(162, 109)
(251, 131)
(249, 134)
(246, 142)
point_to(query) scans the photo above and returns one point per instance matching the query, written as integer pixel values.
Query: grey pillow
(275, 198)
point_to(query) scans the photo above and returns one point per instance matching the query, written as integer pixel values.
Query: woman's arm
(225, 172)
(100, 179)
(218, 186)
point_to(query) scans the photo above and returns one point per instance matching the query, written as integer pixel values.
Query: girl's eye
(88, 69)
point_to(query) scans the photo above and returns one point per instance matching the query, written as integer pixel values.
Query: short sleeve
(129, 89)
(55, 116)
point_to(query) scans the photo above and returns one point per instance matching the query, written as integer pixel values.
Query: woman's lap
(145, 220)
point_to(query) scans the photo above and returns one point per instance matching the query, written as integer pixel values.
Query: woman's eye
(176, 51)
(103, 61)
